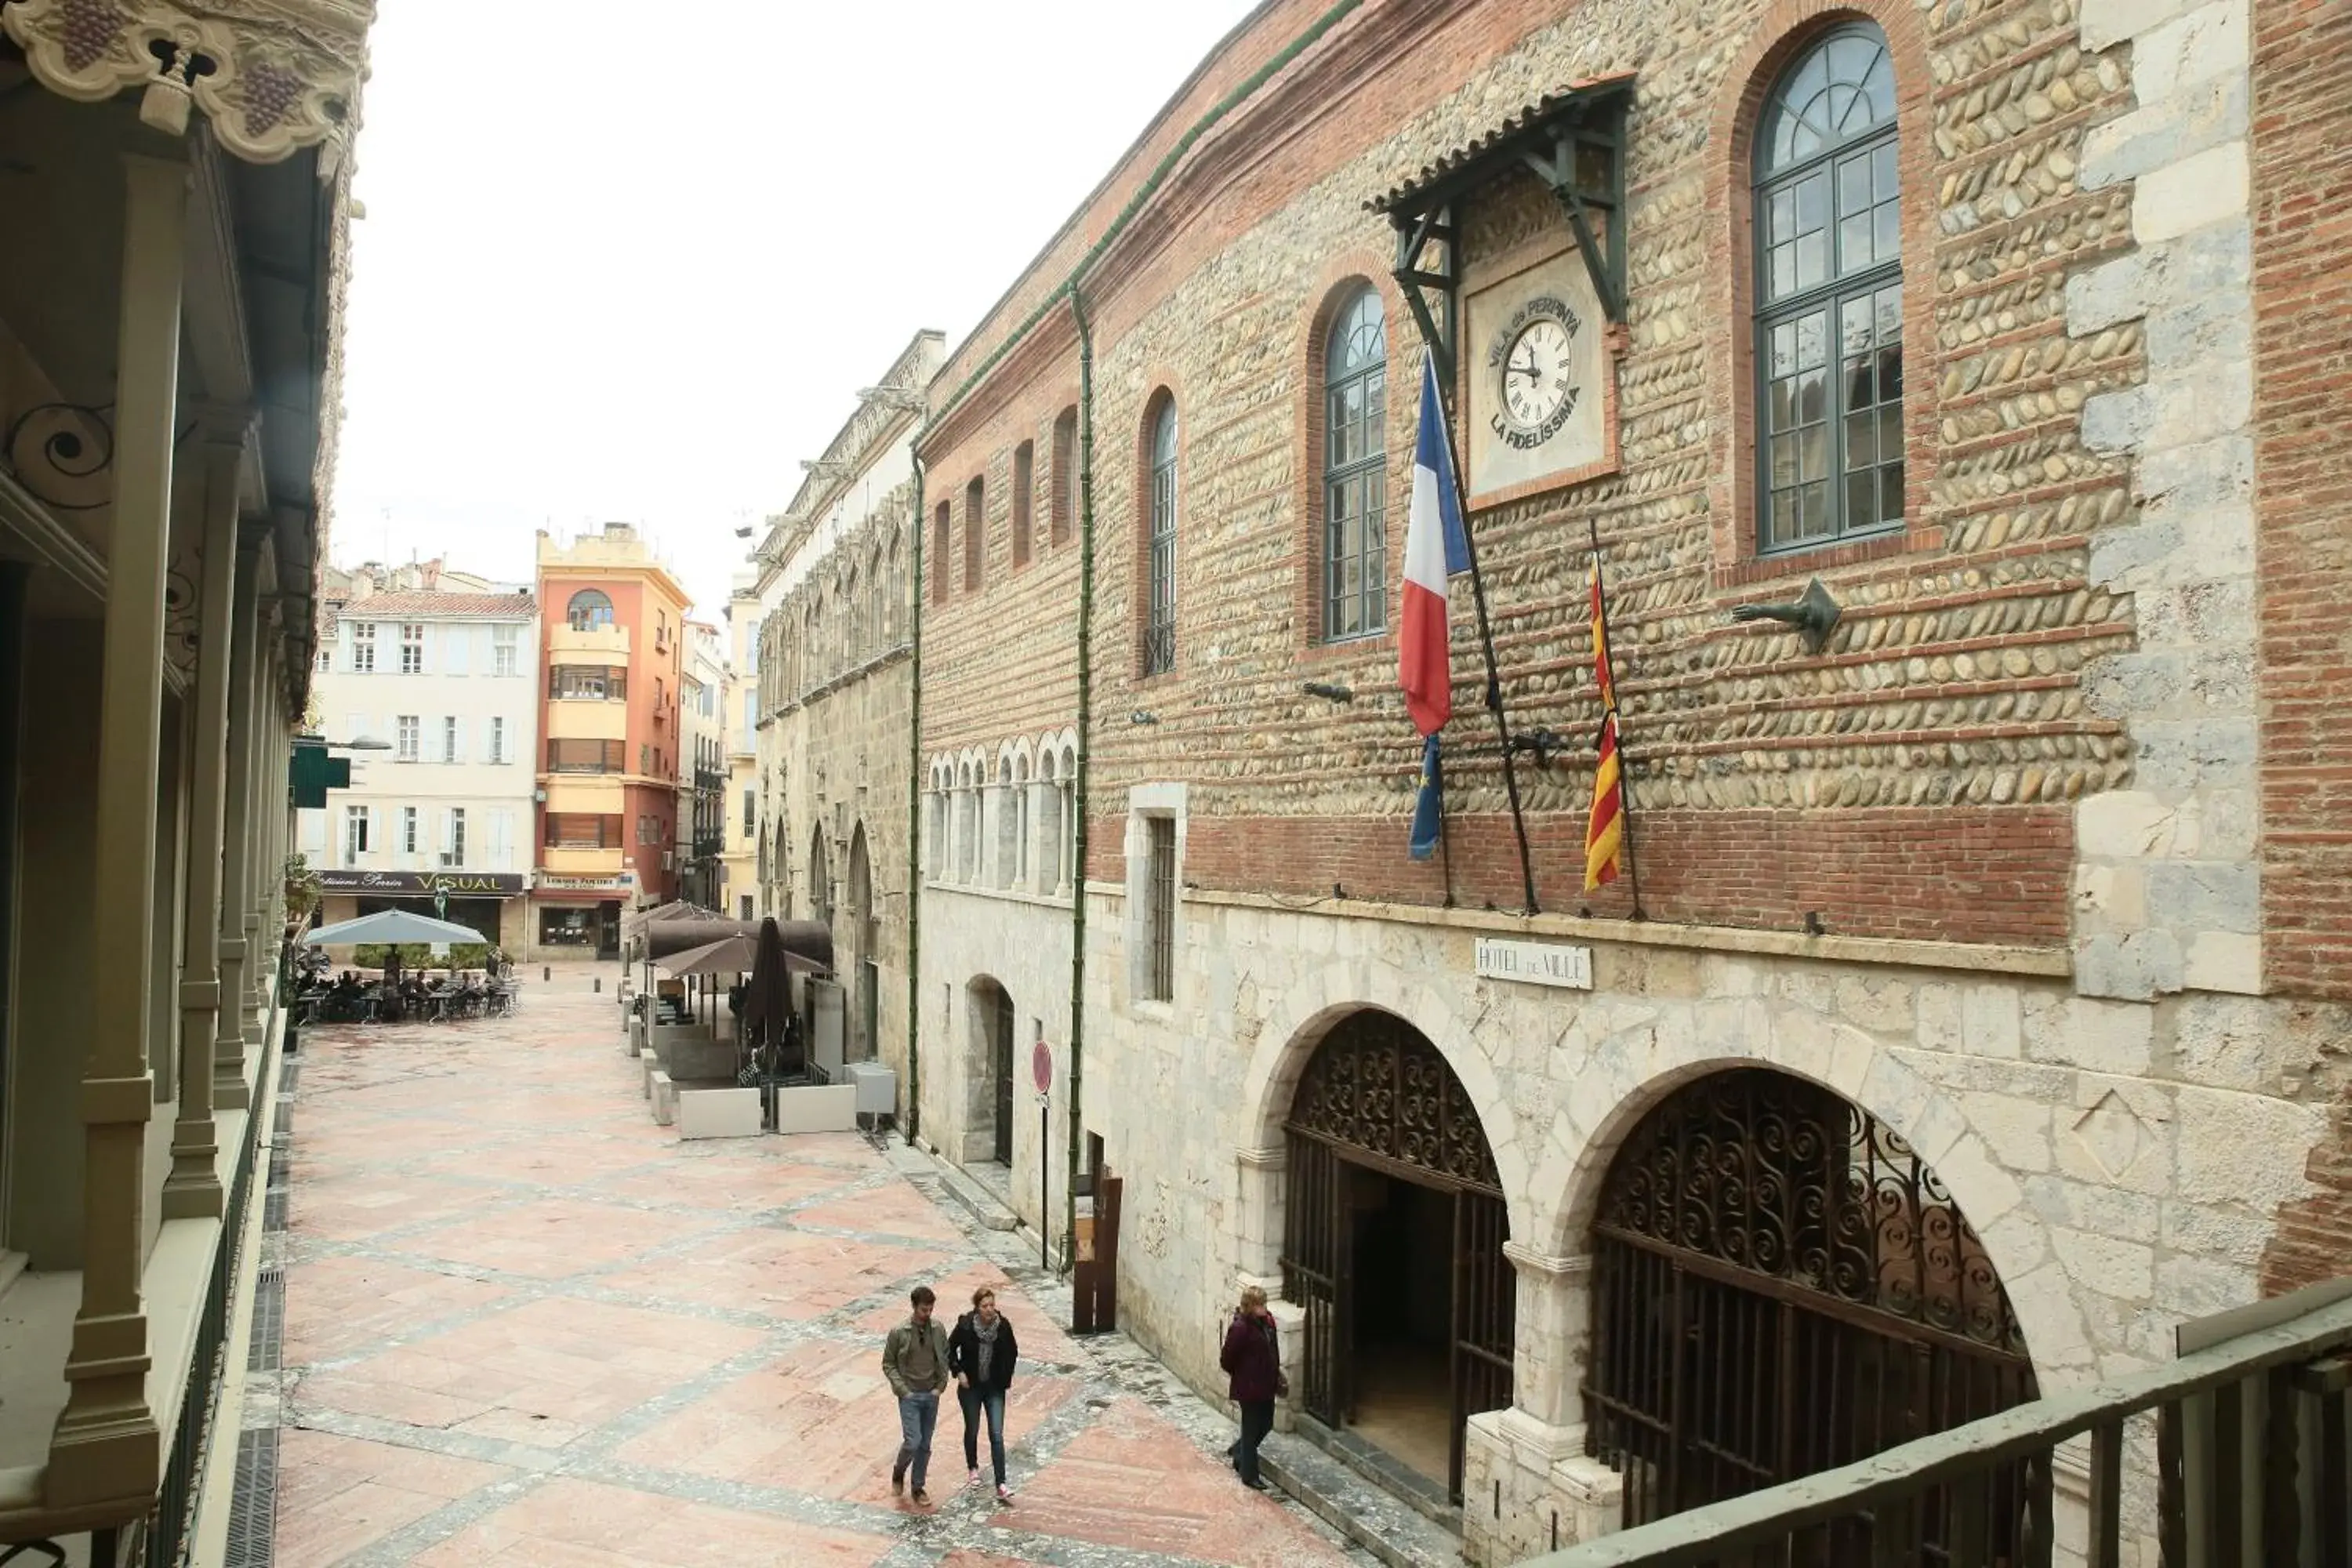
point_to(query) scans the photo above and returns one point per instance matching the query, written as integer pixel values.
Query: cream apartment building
(443, 672)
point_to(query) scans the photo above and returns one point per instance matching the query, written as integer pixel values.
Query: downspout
(1086, 752)
(915, 819)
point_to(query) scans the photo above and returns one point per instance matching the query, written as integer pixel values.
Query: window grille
(1159, 907)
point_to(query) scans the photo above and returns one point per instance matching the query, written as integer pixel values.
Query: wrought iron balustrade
(2251, 1458)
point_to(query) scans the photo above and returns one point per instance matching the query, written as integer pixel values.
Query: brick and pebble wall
(1921, 768)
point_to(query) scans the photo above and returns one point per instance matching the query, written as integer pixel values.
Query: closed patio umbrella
(392, 926)
(728, 956)
(768, 1010)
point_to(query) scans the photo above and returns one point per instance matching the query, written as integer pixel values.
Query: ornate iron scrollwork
(63, 453)
(1376, 1085)
(1767, 1172)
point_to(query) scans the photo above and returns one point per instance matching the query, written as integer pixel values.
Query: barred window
(1159, 910)
(1829, 293)
(1355, 473)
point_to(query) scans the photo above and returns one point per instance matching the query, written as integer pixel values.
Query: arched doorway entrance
(1782, 1286)
(865, 971)
(1393, 1225)
(990, 1064)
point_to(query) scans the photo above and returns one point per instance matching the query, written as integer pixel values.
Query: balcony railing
(2251, 1462)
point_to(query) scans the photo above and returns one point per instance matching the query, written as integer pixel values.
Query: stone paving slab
(527, 1326)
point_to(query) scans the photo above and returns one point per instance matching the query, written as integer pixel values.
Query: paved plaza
(524, 1325)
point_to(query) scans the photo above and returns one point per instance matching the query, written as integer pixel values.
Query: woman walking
(1252, 1359)
(980, 1353)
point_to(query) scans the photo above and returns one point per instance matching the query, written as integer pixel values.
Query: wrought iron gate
(1315, 1270)
(1782, 1286)
(1378, 1097)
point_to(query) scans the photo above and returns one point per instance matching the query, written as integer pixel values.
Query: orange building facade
(612, 654)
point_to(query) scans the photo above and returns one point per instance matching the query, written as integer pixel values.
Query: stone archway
(1394, 1225)
(1782, 1285)
(988, 1069)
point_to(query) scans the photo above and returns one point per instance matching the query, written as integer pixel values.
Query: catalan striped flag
(1604, 829)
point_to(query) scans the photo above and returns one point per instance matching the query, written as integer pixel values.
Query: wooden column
(229, 1090)
(106, 1445)
(193, 1189)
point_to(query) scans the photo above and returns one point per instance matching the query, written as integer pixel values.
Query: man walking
(915, 1360)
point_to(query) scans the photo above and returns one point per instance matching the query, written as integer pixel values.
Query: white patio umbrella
(392, 926)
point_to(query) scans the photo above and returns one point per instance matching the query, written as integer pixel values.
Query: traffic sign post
(1041, 1073)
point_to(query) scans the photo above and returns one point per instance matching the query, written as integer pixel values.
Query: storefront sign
(625, 881)
(1535, 962)
(456, 884)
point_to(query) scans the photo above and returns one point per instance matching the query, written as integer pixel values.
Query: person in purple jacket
(1253, 1360)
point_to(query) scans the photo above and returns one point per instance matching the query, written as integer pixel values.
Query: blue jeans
(977, 1402)
(918, 1413)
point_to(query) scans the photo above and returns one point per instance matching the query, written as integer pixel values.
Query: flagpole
(1625, 766)
(1486, 638)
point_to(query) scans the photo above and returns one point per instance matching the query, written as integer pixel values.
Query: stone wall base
(1528, 1487)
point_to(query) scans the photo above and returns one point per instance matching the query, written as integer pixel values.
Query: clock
(1537, 375)
(1534, 364)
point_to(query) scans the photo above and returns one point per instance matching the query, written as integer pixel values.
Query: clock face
(1535, 374)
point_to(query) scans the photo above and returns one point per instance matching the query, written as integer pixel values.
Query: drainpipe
(915, 820)
(1086, 751)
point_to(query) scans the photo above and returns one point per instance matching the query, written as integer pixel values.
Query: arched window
(1160, 606)
(939, 554)
(1355, 474)
(1829, 297)
(1065, 475)
(975, 533)
(1024, 495)
(589, 610)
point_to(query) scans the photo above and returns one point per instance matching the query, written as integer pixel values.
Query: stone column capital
(228, 427)
(1274, 1158)
(1541, 1266)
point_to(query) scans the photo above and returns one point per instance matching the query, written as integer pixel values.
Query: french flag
(1435, 547)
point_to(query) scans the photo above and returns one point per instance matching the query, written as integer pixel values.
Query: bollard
(546, 971)
(599, 983)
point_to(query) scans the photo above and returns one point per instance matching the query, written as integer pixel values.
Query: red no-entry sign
(1041, 1067)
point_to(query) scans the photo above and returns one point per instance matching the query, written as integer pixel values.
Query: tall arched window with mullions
(1159, 609)
(1355, 476)
(1829, 297)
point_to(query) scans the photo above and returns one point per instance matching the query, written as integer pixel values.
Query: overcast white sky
(615, 270)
